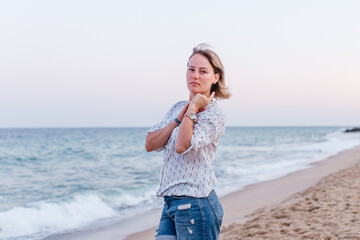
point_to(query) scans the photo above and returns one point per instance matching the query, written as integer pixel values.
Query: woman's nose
(195, 75)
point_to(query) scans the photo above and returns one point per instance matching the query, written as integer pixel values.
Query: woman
(189, 134)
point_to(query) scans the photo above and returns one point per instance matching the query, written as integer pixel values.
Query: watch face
(193, 116)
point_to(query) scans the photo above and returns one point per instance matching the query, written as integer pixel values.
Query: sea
(61, 180)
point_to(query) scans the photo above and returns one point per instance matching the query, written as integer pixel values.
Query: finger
(185, 109)
(211, 96)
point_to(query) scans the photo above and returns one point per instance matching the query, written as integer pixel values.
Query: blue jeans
(190, 218)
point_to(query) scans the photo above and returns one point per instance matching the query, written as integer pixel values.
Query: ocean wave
(39, 219)
(331, 144)
(242, 167)
(129, 200)
(46, 217)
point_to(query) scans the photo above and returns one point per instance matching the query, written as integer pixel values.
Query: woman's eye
(191, 69)
(202, 71)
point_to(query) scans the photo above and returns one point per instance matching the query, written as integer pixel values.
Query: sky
(123, 63)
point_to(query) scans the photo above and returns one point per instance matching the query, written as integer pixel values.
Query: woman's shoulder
(179, 104)
(175, 107)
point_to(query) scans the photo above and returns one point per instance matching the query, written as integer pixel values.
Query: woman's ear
(217, 76)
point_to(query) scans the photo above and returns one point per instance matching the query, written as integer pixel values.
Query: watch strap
(177, 121)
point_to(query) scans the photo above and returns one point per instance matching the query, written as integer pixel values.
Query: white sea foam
(43, 217)
(335, 142)
(237, 174)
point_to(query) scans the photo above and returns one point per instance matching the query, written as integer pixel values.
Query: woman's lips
(194, 83)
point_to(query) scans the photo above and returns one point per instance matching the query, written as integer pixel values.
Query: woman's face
(200, 75)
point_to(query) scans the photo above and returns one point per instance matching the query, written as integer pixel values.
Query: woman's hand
(186, 130)
(199, 102)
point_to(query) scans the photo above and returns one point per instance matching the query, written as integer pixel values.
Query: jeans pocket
(181, 197)
(216, 207)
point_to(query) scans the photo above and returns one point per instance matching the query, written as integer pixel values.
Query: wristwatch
(192, 116)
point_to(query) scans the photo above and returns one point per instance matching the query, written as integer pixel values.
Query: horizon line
(230, 126)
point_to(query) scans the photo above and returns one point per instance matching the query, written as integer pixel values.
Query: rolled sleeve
(207, 130)
(169, 116)
(158, 126)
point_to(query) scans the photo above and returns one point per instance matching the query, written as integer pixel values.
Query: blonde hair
(221, 91)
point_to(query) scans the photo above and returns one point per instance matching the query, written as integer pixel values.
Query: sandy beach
(328, 210)
(319, 202)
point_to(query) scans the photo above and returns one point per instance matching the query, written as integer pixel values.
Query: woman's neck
(191, 96)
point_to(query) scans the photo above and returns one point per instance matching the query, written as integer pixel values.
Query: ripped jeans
(190, 218)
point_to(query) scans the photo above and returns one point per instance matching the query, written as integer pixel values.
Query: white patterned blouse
(190, 173)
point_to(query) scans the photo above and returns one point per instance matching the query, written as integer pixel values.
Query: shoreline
(239, 206)
(327, 210)
(246, 204)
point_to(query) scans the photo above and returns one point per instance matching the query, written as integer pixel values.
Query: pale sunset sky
(123, 63)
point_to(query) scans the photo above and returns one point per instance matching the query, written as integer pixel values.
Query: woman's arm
(158, 139)
(197, 104)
